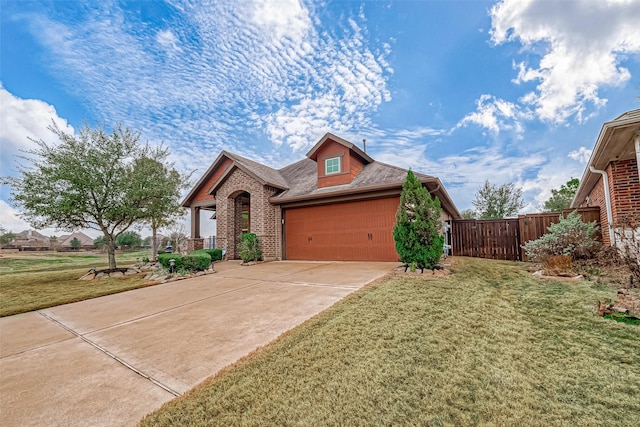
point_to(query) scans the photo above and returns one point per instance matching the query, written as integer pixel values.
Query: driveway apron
(111, 360)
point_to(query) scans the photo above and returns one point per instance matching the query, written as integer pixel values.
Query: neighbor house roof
(83, 238)
(30, 235)
(614, 142)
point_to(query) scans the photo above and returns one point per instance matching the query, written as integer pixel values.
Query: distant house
(338, 203)
(611, 179)
(31, 239)
(86, 242)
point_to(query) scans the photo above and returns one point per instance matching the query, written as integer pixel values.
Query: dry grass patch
(489, 345)
(39, 281)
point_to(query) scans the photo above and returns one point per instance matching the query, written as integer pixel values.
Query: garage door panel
(354, 231)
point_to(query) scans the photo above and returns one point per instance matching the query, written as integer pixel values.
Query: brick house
(336, 204)
(611, 179)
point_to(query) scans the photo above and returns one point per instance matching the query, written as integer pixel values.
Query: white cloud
(462, 174)
(496, 115)
(581, 155)
(281, 19)
(20, 120)
(168, 40)
(238, 71)
(11, 221)
(583, 45)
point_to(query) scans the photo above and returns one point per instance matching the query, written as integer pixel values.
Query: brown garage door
(354, 231)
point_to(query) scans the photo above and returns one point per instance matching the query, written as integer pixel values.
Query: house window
(332, 165)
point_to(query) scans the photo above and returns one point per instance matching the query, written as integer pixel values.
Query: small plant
(570, 237)
(249, 247)
(145, 259)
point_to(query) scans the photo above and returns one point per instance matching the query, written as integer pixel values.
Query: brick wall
(262, 214)
(626, 189)
(596, 198)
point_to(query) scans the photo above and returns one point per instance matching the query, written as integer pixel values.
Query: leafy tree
(496, 202)
(75, 243)
(418, 223)
(468, 214)
(561, 199)
(163, 209)
(6, 236)
(146, 241)
(53, 241)
(89, 180)
(129, 238)
(100, 242)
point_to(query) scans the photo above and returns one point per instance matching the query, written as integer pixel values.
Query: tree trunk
(154, 244)
(111, 250)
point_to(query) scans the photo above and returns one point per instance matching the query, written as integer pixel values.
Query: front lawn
(489, 345)
(32, 281)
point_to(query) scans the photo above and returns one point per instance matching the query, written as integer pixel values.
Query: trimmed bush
(163, 259)
(249, 247)
(215, 254)
(196, 261)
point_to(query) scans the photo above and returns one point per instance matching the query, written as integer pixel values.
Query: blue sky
(510, 91)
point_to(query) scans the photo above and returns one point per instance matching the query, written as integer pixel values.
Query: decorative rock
(99, 276)
(199, 273)
(131, 272)
(116, 274)
(89, 276)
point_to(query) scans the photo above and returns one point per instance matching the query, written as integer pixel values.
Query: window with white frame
(332, 165)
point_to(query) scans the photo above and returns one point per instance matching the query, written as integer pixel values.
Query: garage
(350, 231)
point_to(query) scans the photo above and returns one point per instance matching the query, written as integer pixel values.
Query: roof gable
(312, 154)
(220, 170)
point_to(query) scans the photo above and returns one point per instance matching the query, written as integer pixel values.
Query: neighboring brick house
(611, 179)
(64, 241)
(336, 204)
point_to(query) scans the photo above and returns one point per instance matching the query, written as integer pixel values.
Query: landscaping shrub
(418, 223)
(569, 237)
(163, 259)
(215, 254)
(196, 261)
(249, 247)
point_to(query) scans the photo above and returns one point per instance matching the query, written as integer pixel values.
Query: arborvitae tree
(418, 224)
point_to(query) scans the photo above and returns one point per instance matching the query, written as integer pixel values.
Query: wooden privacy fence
(503, 238)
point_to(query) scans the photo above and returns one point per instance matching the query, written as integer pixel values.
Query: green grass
(489, 345)
(35, 281)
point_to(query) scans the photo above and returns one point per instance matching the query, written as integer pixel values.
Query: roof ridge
(404, 169)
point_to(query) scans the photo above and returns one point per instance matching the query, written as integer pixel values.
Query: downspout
(607, 200)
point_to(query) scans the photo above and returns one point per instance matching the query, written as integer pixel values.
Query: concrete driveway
(111, 360)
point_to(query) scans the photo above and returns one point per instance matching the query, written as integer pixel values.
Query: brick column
(195, 244)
